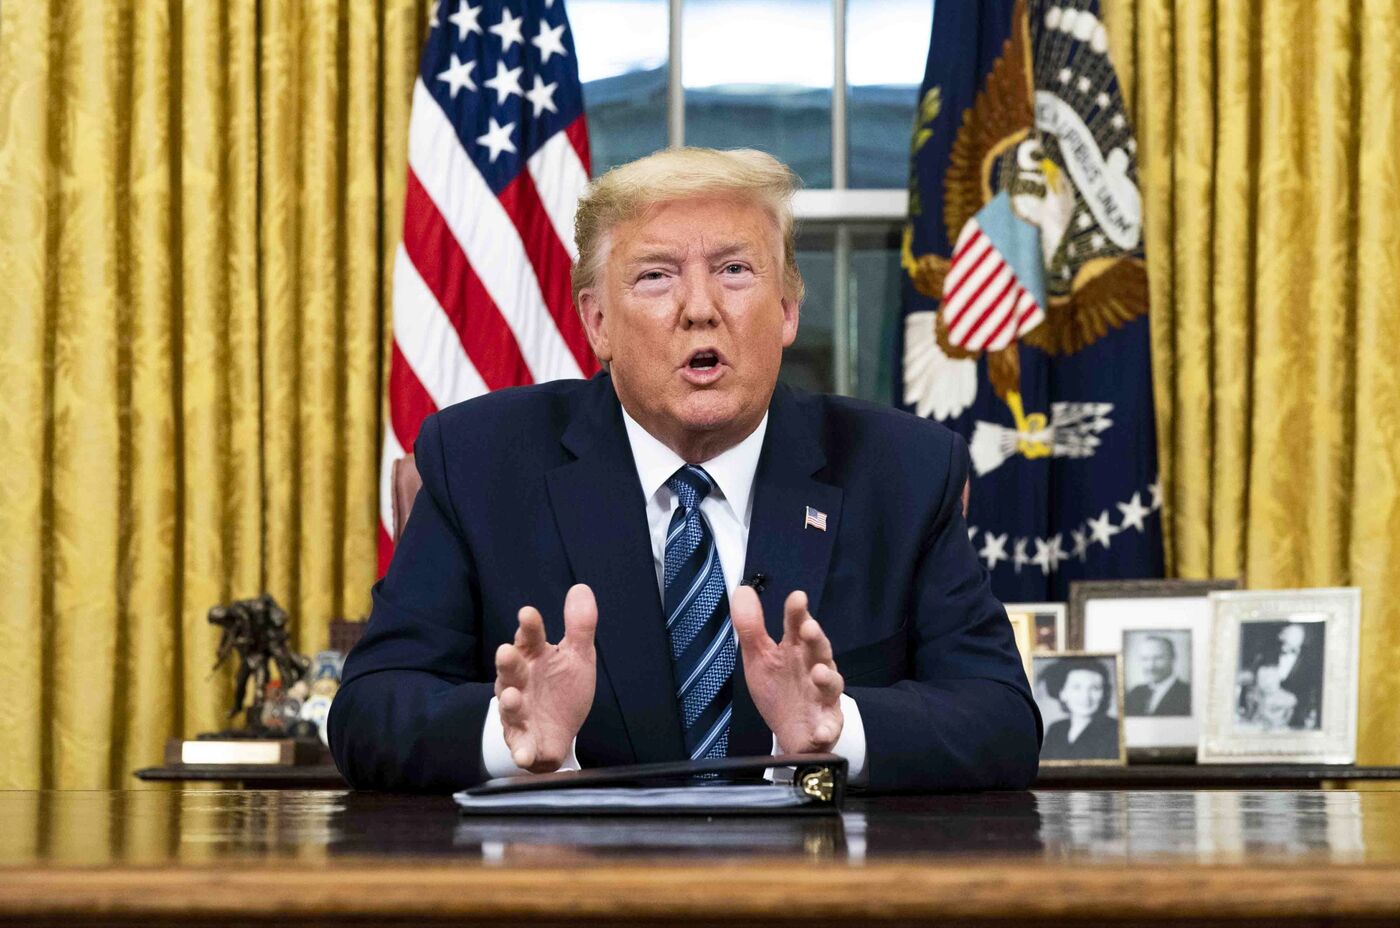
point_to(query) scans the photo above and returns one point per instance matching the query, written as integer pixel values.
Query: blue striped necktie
(697, 619)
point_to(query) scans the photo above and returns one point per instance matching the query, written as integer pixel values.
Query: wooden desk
(250, 776)
(1133, 776)
(296, 858)
(1211, 776)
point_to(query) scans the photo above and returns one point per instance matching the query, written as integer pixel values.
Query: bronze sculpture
(256, 629)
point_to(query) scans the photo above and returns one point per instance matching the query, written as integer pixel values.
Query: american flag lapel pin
(815, 519)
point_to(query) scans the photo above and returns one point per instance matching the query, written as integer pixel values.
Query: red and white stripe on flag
(984, 305)
(497, 158)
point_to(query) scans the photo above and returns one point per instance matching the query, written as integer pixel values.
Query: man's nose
(699, 300)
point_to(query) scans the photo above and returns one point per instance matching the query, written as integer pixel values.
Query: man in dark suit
(699, 520)
(1164, 693)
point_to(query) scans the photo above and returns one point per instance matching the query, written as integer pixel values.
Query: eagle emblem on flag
(1040, 200)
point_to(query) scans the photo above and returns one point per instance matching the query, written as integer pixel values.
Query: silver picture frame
(1261, 641)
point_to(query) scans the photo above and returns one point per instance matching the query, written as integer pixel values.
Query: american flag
(497, 158)
(815, 519)
(985, 306)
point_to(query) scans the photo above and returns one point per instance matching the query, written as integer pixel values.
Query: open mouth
(704, 360)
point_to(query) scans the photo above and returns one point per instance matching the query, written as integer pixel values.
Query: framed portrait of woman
(1080, 695)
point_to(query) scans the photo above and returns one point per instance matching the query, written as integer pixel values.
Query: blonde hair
(628, 190)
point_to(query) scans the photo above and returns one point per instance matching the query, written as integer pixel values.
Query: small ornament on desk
(326, 667)
(257, 631)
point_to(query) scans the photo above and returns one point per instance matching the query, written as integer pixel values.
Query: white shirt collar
(732, 470)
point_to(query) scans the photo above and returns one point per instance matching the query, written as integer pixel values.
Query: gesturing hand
(794, 682)
(545, 690)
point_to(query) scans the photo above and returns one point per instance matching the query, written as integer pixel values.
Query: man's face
(690, 314)
(1155, 660)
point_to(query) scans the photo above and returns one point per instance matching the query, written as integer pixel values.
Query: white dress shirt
(728, 508)
(1159, 692)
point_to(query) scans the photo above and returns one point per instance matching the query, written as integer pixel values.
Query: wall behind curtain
(198, 203)
(1269, 141)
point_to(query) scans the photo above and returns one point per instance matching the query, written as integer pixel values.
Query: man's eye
(734, 268)
(651, 275)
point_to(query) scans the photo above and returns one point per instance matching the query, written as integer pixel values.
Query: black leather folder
(803, 784)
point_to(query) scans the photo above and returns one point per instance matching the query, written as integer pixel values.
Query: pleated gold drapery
(1269, 139)
(198, 204)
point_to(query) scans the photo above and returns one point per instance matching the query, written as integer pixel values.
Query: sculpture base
(226, 748)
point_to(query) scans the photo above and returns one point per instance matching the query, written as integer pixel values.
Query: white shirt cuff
(495, 756)
(850, 745)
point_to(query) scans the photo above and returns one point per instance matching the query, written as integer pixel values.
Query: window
(755, 77)
(828, 86)
(624, 82)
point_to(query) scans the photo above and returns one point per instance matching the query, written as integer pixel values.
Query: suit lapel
(601, 515)
(791, 555)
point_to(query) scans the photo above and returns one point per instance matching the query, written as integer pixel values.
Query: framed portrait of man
(1080, 695)
(1047, 623)
(1284, 687)
(1162, 629)
(1158, 673)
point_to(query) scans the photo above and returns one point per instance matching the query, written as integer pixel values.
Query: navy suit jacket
(528, 491)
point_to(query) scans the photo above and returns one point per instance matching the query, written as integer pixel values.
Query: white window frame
(836, 206)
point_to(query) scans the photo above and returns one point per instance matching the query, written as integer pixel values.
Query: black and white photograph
(1281, 675)
(1080, 699)
(1162, 629)
(1157, 672)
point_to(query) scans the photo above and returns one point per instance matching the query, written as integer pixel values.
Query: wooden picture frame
(1100, 751)
(1046, 619)
(1081, 592)
(1022, 630)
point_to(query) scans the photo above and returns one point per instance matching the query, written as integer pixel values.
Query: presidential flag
(1025, 293)
(497, 159)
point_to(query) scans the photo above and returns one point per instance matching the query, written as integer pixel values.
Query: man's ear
(792, 312)
(590, 310)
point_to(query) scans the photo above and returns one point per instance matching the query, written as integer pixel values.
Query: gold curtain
(198, 204)
(199, 200)
(1269, 139)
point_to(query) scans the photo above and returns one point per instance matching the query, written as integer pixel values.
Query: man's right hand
(545, 690)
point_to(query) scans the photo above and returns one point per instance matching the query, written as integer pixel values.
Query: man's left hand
(794, 683)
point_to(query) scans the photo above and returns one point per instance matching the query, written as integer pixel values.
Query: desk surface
(1133, 776)
(1056, 857)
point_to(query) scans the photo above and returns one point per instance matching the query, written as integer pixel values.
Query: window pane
(624, 82)
(886, 50)
(758, 74)
(875, 294)
(808, 362)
